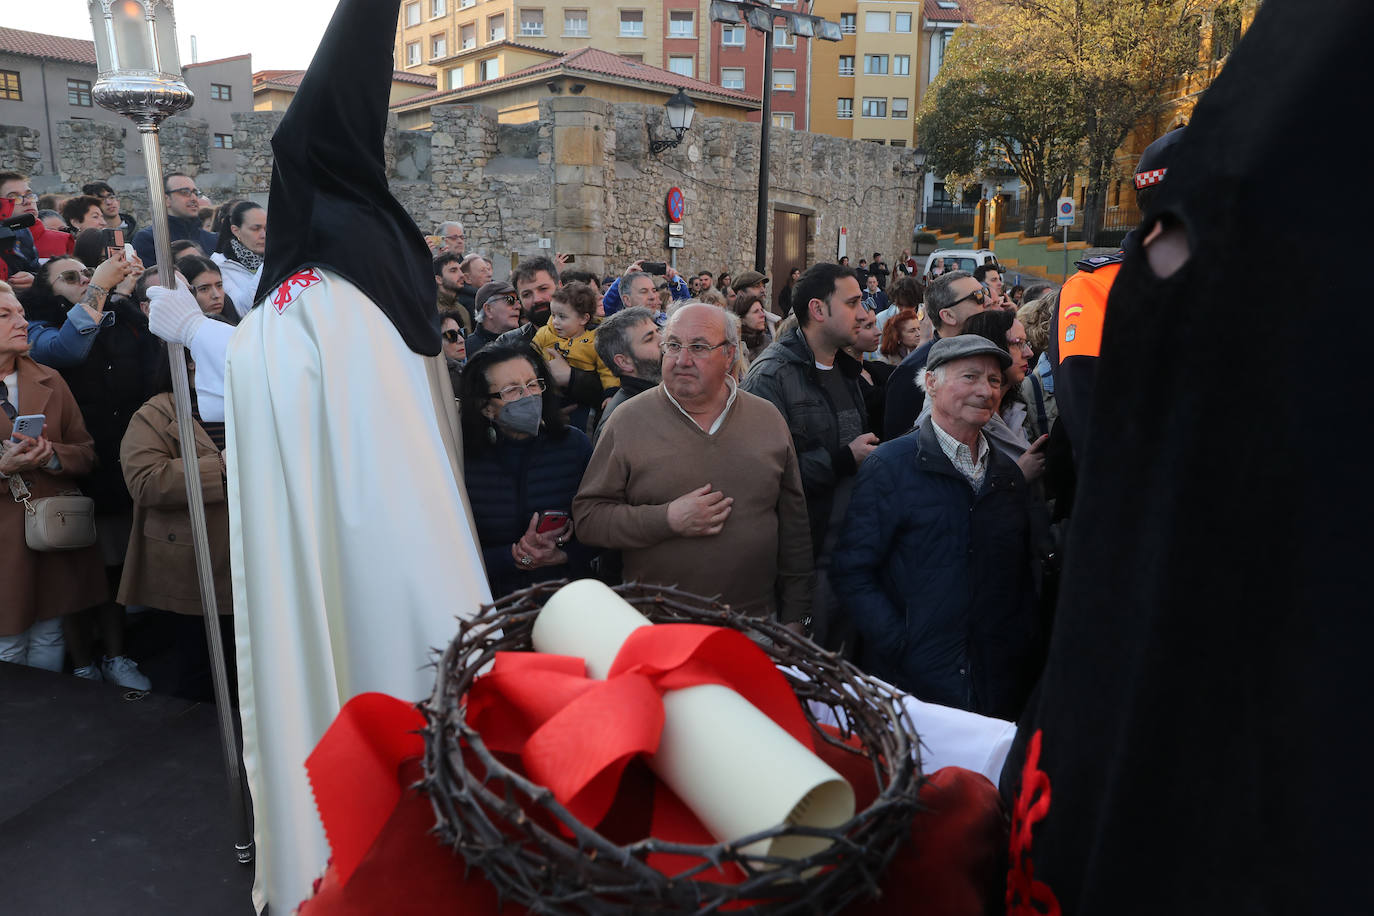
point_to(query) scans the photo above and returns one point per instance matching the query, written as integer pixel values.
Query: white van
(959, 259)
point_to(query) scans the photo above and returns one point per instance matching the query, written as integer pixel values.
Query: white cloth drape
(351, 542)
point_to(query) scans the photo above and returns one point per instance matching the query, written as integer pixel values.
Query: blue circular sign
(675, 204)
(1066, 207)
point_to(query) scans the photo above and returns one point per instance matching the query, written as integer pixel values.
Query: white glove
(173, 314)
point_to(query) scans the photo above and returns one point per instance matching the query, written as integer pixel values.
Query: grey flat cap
(494, 288)
(948, 349)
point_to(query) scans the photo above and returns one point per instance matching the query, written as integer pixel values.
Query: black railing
(1116, 220)
(949, 218)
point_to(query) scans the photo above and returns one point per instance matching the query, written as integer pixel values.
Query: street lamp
(139, 76)
(680, 111)
(761, 17)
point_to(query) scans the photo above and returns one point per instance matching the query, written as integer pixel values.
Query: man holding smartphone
(644, 292)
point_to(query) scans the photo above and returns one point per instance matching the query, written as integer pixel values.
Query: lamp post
(761, 18)
(139, 76)
(680, 111)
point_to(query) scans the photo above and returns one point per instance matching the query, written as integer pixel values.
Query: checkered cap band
(1147, 178)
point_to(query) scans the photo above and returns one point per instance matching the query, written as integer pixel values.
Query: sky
(280, 34)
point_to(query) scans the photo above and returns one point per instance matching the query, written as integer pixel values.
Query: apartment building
(867, 85)
(739, 66)
(462, 42)
(45, 79)
(599, 74)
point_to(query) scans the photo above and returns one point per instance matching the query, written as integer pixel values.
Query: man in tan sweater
(696, 482)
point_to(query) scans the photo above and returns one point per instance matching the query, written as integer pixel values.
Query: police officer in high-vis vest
(1076, 335)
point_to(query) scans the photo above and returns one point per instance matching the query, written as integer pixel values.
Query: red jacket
(50, 243)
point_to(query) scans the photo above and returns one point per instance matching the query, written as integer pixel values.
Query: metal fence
(1117, 219)
(949, 217)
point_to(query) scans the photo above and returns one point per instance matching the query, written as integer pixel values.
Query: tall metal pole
(761, 223)
(141, 78)
(195, 500)
(1066, 252)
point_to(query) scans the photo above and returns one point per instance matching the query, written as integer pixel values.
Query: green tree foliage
(985, 115)
(1069, 75)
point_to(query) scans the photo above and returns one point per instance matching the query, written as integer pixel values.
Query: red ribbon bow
(573, 734)
(576, 735)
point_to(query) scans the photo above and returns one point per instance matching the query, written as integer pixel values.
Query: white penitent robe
(351, 543)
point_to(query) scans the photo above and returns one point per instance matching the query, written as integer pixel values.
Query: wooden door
(790, 234)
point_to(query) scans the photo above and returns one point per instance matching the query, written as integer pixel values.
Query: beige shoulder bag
(62, 522)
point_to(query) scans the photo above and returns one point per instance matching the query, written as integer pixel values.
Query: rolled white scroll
(734, 768)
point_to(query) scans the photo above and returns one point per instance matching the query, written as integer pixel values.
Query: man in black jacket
(183, 219)
(878, 268)
(815, 384)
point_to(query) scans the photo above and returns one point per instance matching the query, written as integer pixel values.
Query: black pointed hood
(330, 205)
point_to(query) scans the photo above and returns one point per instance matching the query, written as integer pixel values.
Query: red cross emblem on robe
(288, 291)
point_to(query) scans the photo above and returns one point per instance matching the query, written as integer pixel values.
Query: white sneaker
(89, 672)
(123, 671)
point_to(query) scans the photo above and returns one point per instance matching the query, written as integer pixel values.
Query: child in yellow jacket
(570, 332)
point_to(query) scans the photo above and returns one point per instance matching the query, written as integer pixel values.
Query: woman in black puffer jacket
(520, 460)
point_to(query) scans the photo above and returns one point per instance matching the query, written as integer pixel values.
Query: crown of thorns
(509, 827)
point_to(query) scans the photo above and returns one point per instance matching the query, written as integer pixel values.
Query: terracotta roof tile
(291, 79)
(934, 12)
(419, 79)
(222, 60)
(601, 63)
(52, 47)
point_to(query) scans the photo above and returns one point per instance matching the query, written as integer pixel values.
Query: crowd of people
(78, 354)
(860, 453)
(698, 431)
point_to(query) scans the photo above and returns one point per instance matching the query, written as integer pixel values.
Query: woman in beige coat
(160, 565)
(39, 587)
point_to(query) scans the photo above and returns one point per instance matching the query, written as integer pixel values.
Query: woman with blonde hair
(41, 587)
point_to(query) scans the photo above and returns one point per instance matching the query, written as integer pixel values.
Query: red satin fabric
(954, 865)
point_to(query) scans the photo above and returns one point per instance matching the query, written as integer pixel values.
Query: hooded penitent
(330, 205)
(350, 539)
(1198, 740)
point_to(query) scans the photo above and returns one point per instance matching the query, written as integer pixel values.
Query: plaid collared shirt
(961, 456)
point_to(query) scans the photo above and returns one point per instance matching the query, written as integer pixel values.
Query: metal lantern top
(680, 110)
(138, 67)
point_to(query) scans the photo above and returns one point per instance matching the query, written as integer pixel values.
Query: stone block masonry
(581, 176)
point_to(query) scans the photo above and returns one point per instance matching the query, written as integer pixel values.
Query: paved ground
(112, 803)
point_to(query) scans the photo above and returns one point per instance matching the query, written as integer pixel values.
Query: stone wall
(253, 148)
(581, 179)
(20, 150)
(87, 150)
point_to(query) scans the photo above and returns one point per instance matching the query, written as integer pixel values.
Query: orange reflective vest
(1083, 307)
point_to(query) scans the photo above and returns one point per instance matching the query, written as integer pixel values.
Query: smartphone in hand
(30, 425)
(551, 520)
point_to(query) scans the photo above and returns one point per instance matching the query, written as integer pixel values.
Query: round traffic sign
(675, 204)
(1066, 207)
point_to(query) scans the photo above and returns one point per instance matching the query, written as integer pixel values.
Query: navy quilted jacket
(510, 481)
(938, 578)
